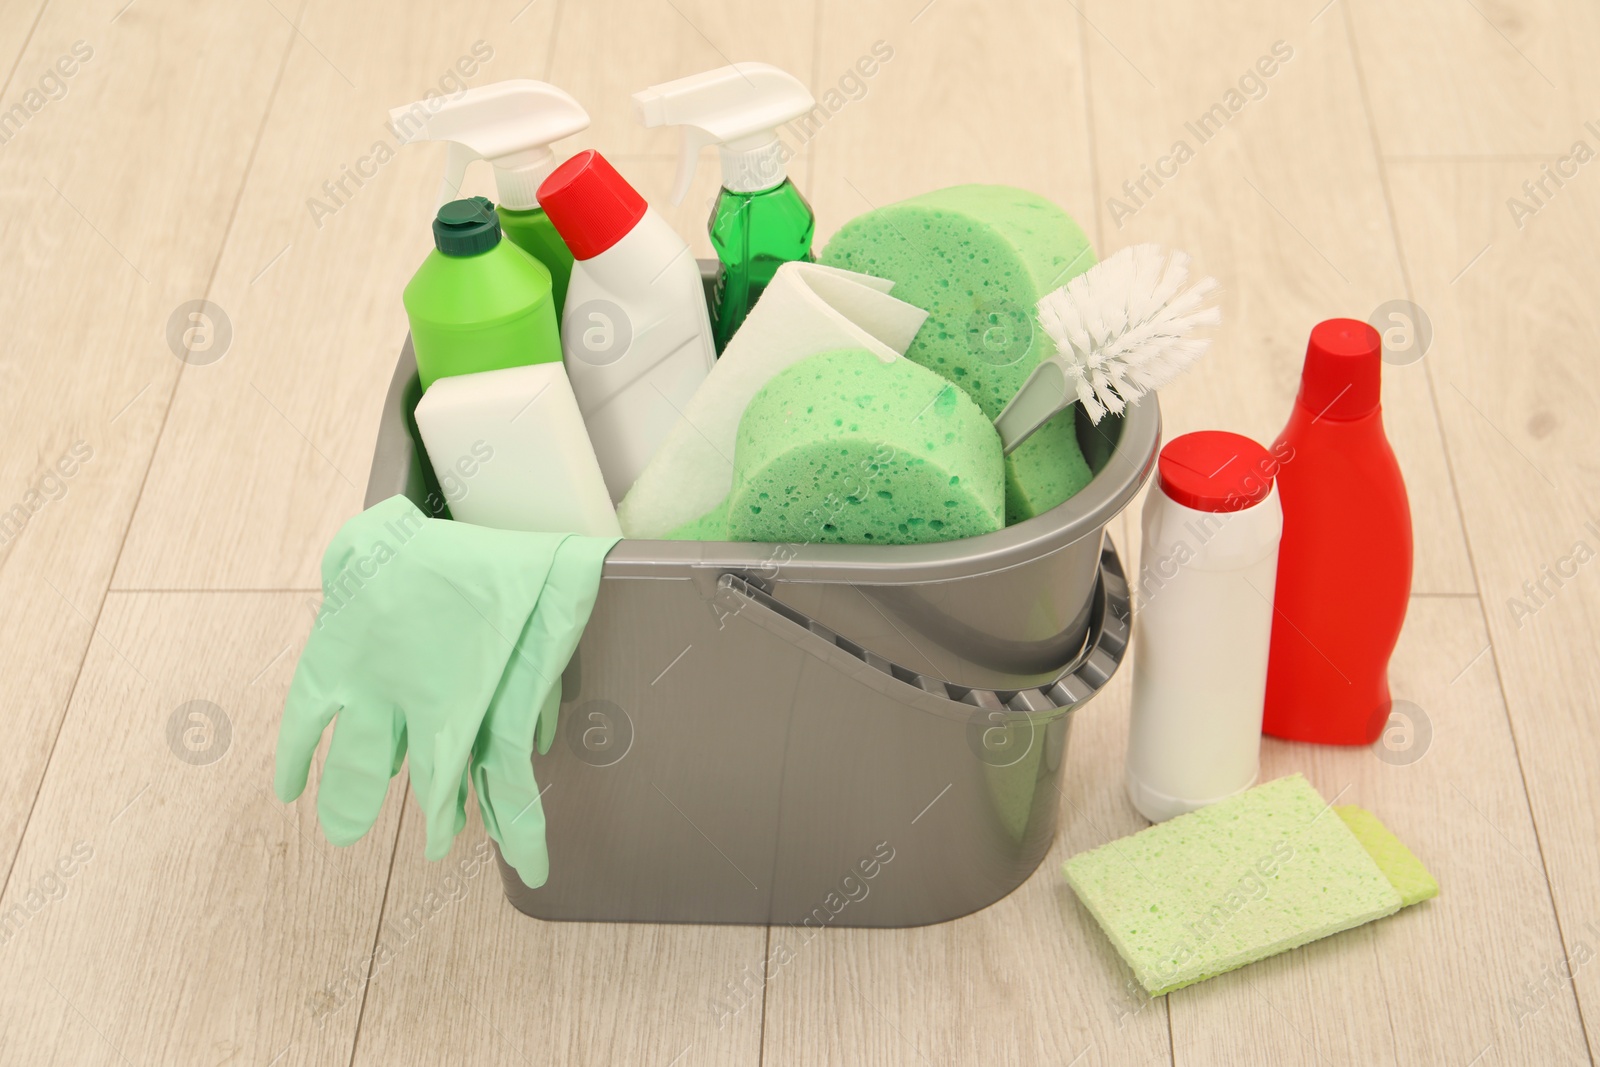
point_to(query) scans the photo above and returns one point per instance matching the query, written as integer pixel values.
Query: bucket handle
(1110, 623)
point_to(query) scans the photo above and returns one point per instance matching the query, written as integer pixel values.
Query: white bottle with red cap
(1203, 623)
(636, 336)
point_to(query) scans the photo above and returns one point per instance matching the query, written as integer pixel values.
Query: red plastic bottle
(1344, 564)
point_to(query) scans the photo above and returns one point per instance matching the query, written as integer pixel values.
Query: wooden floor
(161, 907)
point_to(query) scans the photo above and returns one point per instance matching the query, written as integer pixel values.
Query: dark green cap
(466, 227)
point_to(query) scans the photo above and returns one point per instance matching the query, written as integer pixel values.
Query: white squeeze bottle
(509, 449)
(635, 335)
(1202, 623)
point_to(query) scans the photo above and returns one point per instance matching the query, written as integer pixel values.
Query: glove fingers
(445, 820)
(531, 684)
(399, 745)
(513, 812)
(549, 639)
(306, 714)
(461, 805)
(355, 777)
(443, 799)
(549, 717)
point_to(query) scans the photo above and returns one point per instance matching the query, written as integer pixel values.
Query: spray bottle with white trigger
(760, 220)
(512, 125)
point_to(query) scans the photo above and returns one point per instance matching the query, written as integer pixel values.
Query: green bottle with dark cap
(478, 302)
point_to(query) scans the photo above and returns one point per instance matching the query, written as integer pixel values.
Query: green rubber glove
(502, 767)
(449, 639)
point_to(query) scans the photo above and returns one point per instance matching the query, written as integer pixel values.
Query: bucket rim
(397, 464)
(1084, 514)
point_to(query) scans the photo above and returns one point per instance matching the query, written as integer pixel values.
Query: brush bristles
(1125, 326)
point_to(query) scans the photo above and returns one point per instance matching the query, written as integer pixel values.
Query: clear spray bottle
(760, 220)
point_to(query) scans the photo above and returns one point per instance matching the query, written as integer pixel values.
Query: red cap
(1214, 470)
(1343, 373)
(591, 206)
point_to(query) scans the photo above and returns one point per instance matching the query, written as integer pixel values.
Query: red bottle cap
(1343, 372)
(1214, 470)
(591, 206)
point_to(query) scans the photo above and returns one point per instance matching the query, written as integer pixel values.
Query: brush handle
(1042, 397)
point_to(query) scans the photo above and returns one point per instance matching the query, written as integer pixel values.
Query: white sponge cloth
(808, 308)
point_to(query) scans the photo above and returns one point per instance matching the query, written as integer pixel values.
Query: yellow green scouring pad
(1404, 871)
(1267, 870)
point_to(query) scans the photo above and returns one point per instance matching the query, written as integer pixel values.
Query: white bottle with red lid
(1203, 623)
(635, 335)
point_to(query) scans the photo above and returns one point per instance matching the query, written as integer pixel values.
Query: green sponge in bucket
(848, 448)
(1267, 870)
(977, 258)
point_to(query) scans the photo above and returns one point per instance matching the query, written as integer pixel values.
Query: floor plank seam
(213, 589)
(1089, 127)
(761, 1028)
(1489, 157)
(1405, 278)
(816, 76)
(77, 678)
(555, 35)
(377, 930)
(1494, 653)
(211, 281)
(22, 50)
(1538, 838)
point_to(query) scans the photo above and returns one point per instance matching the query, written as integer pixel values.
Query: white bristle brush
(1123, 328)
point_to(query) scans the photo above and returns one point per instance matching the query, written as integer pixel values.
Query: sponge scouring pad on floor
(1398, 864)
(849, 448)
(977, 258)
(1267, 870)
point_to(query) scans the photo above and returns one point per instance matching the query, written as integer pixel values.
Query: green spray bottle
(760, 221)
(512, 125)
(478, 303)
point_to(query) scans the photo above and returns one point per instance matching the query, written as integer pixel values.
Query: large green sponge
(977, 258)
(1261, 872)
(844, 447)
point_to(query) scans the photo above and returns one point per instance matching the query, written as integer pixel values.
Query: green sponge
(1240, 880)
(1404, 871)
(712, 526)
(844, 447)
(977, 258)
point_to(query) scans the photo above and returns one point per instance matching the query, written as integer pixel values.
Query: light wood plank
(1451, 77)
(955, 103)
(492, 985)
(114, 199)
(1517, 386)
(267, 449)
(201, 921)
(1292, 222)
(1444, 981)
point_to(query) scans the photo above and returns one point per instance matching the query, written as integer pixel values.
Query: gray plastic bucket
(847, 735)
